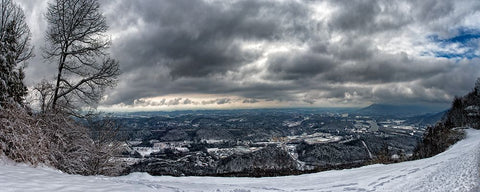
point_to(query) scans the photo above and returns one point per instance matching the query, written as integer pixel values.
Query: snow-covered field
(457, 169)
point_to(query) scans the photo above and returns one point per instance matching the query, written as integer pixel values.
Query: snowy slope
(457, 169)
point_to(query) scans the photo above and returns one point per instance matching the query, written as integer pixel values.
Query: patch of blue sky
(465, 44)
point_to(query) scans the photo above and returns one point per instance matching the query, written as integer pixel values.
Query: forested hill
(464, 113)
(399, 110)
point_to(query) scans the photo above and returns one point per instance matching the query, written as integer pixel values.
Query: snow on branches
(55, 139)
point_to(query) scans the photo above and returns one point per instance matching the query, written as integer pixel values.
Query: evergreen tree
(11, 85)
(4, 75)
(14, 50)
(6, 65)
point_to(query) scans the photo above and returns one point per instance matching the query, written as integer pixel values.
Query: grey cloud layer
(197, 39)
(230, 48)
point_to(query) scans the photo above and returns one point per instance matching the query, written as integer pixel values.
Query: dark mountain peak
(398, 110)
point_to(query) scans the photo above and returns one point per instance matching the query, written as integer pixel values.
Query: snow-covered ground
(457, 169)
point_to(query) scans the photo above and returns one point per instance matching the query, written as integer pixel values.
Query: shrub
(21, 139)
(57, 140)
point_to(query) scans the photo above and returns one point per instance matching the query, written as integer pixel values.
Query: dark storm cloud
(354, 52)
(459, 79)
(433, 10)
(299, 65)
(368, 16)
(387, 68)
(194, 41)
(353, 60)
(196, 38)
(353, 49)
(354, 15)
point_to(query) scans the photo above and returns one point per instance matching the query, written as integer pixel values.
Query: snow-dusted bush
(57, 140)
(21, 139)
(69, 142)
(103, 148)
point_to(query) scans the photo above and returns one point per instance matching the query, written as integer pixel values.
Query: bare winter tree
(44, 93)
(77, 43)
(15, 49)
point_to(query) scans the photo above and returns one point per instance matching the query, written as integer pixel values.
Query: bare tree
(78, 43)
(44, 93)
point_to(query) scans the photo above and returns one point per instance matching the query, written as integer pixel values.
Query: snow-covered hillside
(457, 169)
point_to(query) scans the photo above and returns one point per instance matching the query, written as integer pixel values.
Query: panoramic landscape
(241, 95)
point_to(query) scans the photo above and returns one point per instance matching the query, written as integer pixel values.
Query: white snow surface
(457, 169)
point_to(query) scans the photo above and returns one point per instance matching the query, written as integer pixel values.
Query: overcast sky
(180, 54)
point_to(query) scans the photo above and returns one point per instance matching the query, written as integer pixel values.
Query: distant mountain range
(427, 119)
(400, 110)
